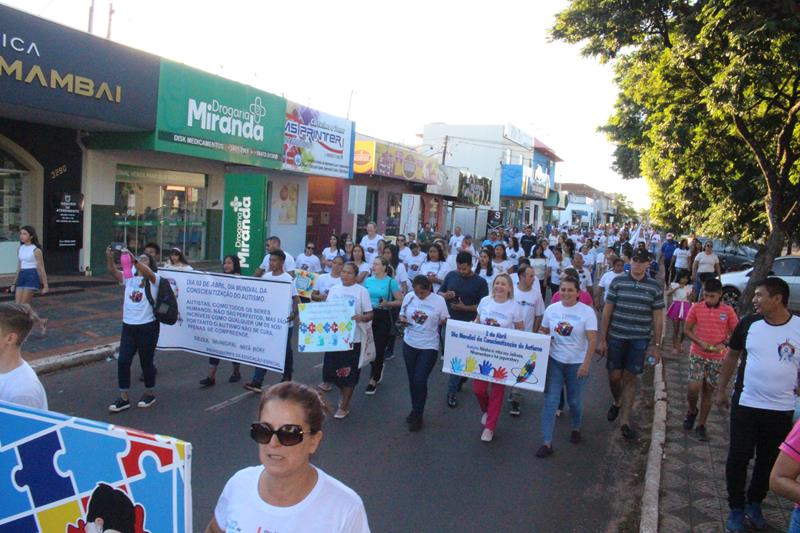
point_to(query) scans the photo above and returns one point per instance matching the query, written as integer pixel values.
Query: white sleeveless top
(27, 259)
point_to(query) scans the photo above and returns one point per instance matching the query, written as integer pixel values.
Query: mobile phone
(117, 246)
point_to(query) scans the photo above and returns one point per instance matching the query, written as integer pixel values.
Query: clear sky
(405, 63)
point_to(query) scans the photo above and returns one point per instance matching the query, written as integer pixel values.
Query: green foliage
(624, 207)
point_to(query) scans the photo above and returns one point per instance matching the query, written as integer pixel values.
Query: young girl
(484, 267)
(31, 276)
(514, 252)
(681, 293)
(177, 260)
(500, 261)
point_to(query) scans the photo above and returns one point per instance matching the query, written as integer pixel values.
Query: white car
(786, 268)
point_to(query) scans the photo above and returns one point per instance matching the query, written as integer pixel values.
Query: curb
(69, 360)
(648, 522)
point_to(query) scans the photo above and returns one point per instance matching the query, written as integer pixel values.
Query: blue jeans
(419, 364)
(794, 521)
(260, 373)
(558, 375)
(142, 339)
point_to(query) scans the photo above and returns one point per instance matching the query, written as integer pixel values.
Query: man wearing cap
(667, 249)
(633, 310)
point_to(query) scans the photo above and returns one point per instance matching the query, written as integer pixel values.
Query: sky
(394, 67)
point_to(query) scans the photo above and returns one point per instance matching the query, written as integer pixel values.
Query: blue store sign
(71, 78)
(520, 181)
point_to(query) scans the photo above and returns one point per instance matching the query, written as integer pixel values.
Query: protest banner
(327, 326)
(231, 317)
(506, 356)
(304, 282)
(67, 474)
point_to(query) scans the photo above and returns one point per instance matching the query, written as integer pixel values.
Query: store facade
(522, 195)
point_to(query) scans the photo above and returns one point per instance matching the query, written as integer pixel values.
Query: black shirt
(469, 290)
(527, 242)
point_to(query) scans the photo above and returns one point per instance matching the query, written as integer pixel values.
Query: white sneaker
(487, 435)
(483, 419)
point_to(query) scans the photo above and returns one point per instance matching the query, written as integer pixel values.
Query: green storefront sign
(244, 218)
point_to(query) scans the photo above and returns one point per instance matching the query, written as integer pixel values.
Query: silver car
(786, 268)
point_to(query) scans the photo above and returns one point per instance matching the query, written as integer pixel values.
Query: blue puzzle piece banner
(56, 470)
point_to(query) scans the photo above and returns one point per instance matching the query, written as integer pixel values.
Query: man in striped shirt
(634, 308)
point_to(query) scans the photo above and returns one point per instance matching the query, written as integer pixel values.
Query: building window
(370, 214)
(11, 197)
(394, 202)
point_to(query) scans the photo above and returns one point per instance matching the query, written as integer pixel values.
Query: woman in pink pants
(498, 310)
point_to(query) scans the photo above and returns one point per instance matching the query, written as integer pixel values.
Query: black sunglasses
(288, 434)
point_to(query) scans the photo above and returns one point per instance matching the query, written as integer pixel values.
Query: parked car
(786, 268)
(732, 257)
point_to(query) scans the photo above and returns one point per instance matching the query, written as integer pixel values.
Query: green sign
(244, 218)
(203, 115)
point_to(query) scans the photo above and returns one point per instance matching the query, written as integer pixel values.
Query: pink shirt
(791, 446)
(584, 297)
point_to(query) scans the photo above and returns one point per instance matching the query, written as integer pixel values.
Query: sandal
(341, 413)
(325, 387)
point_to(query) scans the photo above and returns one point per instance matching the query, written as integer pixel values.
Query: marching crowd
(554, 281)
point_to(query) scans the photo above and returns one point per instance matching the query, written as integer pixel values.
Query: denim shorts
(627, 354)
(28, 278)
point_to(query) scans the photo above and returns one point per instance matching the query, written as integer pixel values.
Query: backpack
(165, 308)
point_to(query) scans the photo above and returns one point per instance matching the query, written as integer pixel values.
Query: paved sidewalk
(693, 493)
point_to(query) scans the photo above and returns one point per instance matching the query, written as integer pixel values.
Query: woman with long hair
(177, 260)
(539, 264)
(231, 265)
(31, 276)
(333, 250)
(398, 271)
(514, 252)
(435, 266)
(360, 261)
(484, 267)
(385, 295)
(348, 250)
(496, 310)
(500, 261)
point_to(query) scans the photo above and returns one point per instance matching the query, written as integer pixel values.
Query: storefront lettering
(72, 83)
(215, 116)
(243, 214)
(18, 44)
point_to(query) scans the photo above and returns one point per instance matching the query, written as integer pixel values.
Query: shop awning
(557, 200)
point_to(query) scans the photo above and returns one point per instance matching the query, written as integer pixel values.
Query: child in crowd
(681, 293)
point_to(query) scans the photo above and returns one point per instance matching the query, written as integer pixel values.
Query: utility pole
(110, 15)
(91, 17)
(444, 150)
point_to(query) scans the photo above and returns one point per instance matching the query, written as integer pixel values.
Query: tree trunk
(762, 268)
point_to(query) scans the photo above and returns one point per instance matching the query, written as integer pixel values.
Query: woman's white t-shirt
(413, 263)
(501, 315)
(370, 246)
(401, 275)
(489, 279)
(423, 318)
(681, 294)
(682, 258)
(514, 255)
(568, 327)
(705, 262)
(329, 254)
(136, 309)
(330, 506)
(502, 267)
(539, 265)
(27, 256)
(365, 267)
(437, 268)
(325, 282)
(361, 296)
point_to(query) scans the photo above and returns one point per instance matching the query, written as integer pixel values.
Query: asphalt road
(440, 479)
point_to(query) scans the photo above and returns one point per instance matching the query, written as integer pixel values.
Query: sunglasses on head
(288, 434)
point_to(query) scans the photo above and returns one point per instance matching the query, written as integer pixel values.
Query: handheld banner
(327, 326)
(231, 317)
(304, 282)
(67, 474)
(506, 356)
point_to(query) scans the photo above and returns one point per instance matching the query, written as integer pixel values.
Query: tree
(707, 110)
(623, 207)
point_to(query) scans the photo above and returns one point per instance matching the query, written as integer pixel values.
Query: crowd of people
(592, 291)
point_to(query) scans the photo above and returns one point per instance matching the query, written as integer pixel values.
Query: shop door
(395, 207)
(370, 214)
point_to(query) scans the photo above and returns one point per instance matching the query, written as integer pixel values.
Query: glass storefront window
(172, 215)
(11, 196)
(371, 214)
(395, 204)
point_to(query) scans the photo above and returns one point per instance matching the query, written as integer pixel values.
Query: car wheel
(730, 296)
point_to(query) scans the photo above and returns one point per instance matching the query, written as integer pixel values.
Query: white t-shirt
(361, 296)
(329, 254)
(404, 254)
(413, 263)
(502, 267)
(568, 327)
(288, 263)
(585, 276)
(136, 309)
(370, 246)
(599, 258)
(455, 243)
(330, 506)
(531, 302)
(309, 263)
(325, 282)
(423, 318)
(514, 255)
(489, 279)
(365, 267)
(22, 387)
(402, 276)
(539, 265)
(552, 240)
(283, 276)
(438, 268)
(682, 258)
(503, 315)
(607, 278)
(655, 239)
(556, 269)
(705, 262)
(681, 294)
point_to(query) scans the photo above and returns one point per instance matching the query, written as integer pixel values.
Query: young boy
(709, 326)
(18, 382)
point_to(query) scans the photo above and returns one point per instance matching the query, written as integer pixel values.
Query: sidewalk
(693, 493)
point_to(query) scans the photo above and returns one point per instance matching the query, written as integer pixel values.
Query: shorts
(341, 368)
(701, 368)
(627, 354)
(28, 278)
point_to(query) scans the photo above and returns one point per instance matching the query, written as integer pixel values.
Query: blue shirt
(667, 249)
(381, 289)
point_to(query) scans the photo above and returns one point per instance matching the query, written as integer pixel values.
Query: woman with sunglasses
(286, 492)
(341, 368)
(497, 310)
(232, 266)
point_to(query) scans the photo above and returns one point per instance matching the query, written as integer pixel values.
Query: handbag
(368, 352)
